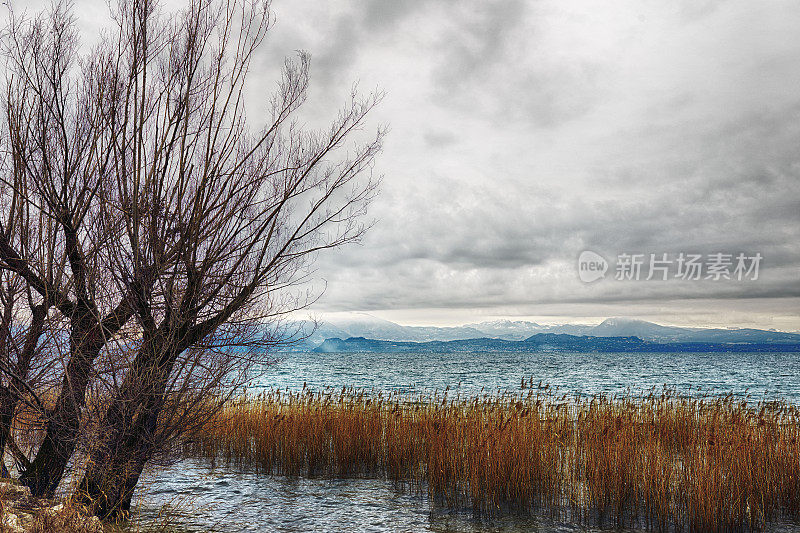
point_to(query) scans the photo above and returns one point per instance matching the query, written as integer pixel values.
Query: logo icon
(591, 266)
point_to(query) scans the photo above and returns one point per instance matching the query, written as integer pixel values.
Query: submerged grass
(661, 460)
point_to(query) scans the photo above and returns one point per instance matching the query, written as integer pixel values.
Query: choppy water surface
(221, 499)
(775, 374)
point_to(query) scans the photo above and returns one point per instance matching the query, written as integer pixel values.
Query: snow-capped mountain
(370, 327)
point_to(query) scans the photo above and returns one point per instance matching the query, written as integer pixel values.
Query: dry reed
(661, 460)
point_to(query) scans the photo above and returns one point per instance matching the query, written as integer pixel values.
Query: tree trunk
(46, 470)
(63, 425)
(129, 437)
(9, 396)
(117, 463)
(8, 404)
(107, 487)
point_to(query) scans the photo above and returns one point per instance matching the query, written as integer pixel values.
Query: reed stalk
(661, 460)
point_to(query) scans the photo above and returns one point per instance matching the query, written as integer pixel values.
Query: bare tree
(30, 342)
(200, 226)
(57, 166)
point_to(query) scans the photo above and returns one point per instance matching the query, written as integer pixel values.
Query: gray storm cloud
(525, 132)
(657, 130)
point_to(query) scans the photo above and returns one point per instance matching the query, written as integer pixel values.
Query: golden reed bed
(660, 460)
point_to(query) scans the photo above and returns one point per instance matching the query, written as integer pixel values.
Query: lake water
(775, 374)
(224, 500)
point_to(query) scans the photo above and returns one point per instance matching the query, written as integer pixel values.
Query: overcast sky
(523, 133)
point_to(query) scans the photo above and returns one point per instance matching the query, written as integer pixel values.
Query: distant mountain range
(369, 327)
(546, 342)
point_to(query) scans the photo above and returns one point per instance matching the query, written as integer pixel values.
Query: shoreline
(22, 513)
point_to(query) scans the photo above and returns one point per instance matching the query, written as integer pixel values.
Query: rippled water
(775, 374)
(225, 500)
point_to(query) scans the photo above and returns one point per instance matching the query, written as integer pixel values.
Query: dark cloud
(480, 36)
(340, 52)
(378, 15)
(493, 62)
(440, 138)
(525, 132)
